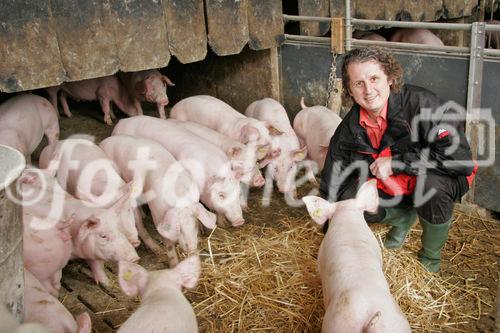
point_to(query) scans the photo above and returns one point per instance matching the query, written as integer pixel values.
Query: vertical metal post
(348, 26)
(474, 90)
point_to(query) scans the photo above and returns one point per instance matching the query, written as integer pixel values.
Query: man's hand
(381, 168)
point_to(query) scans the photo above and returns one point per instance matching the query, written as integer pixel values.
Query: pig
(24, 120)
(163, 308)
(175, 208)
(8, 324)
(207, 163)
(41, 307)
(106, 90)
(148, 85)
(368, 35)
(355, 292)
(415, 36)
(93, 168)
(93, 231)
(315, 127)
(243, 158)
(284, 167)
(215, 114)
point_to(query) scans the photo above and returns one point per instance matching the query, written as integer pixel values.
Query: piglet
(106, 90)
(148, 85)
(283, 168)
(170, 191)
(415, 36)
(163, 308)
(355, 292)
(220, 116)
(243, 159)
(24, 120)
(315, 127)
(41, 307)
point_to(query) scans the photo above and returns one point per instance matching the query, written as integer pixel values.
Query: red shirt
(401, 184)
(375, 130)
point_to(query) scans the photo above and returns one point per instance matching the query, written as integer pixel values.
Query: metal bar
(492, 52)
(492, 27)
(410, 46)
(348, 25)
(474, 90)
(407, 24)
(306, 18)
(300, 38)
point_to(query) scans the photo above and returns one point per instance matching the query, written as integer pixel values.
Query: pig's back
(271, 111)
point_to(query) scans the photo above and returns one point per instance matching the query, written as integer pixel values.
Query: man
(403, 136)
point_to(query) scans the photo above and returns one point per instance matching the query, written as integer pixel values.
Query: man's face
(369, 86)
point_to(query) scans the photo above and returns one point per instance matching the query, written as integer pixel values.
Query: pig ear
(299, 154)
(169, 228)
(189, 271)
(264, 162)
(132, 278)
(274, 131)
(167, 81)
(248, 133)
(367, 196)
(208, 219)
(233, 152)
(319, 209)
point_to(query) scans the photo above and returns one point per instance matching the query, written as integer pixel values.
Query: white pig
(94, 231)
(284, 167)
(163, 308)
(8, 324)
(84, 170)
(243, 158)
(148, 85)
(315, 127)
(356, 294)
(220, 116)
(207, 163)
(174, 202)
(24, 120)
(41, 307)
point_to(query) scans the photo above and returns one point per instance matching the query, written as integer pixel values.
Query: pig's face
(180, 225)
(224, 197)
(155, 90)
(98, 239)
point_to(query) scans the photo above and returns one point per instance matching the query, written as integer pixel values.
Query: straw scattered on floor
(264, 278)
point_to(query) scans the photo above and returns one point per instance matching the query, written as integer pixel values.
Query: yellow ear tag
(127, 276)
(135, 189)
(318, 212)
(300, 155)
(262, 150)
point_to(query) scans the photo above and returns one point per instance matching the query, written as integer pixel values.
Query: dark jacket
(416, 147)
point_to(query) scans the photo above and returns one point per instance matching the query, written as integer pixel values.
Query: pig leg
(161, 110)
(64, 102)
(173, 260)
(52, 92)
(55, 281)
(97, 267)
(138, 107)
(221, 220)
(106, 108)
(146, 237)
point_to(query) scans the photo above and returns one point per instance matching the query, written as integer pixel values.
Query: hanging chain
(331, 79)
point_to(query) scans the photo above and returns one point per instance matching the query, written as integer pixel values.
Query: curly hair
(391, 67)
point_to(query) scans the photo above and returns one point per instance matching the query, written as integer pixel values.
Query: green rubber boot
(433, 238)
(401, 220)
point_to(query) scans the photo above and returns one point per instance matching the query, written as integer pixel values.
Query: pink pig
(148, 85)
(106, 90)
(164, 308)
(356, 294)
(24, 120)
(315, 127)
(215, 114)
(284, 167)
(41, 307)
(94, 231)
(416, 36)
(243, 158)
(207, 163)
(84, 170)
(174, 202)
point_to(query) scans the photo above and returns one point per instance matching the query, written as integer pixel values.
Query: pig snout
(258, 181)
(135, 243)
(238, 222)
